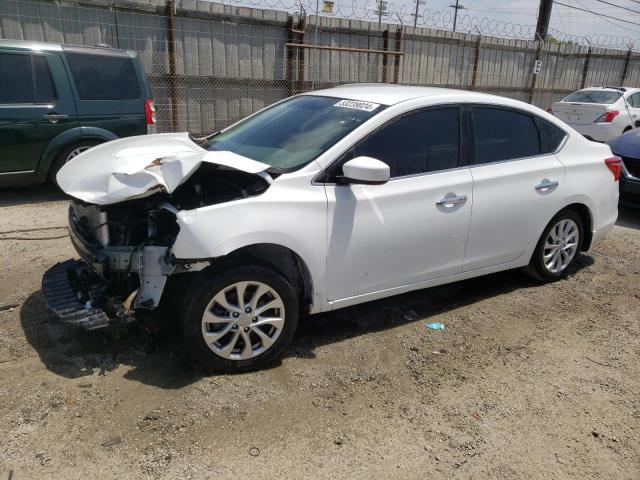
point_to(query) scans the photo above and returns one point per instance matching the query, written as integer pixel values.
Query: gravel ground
(526, 380)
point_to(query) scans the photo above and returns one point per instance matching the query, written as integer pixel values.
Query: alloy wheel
(561, 245)
(243, 320)
(77, 151)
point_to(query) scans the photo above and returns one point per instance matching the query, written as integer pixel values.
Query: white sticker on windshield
(366, 106)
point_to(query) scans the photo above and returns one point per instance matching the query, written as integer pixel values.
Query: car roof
(386, 94)
(608, 89)
(32, 45)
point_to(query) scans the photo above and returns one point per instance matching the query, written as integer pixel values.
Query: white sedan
(600, 113)
(321, 201)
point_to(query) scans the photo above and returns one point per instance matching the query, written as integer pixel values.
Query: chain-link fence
(211, 64)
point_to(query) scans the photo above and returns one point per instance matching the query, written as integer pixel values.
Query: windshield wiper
(203, 141)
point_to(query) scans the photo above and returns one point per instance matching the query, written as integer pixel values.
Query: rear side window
(502, 134)
(551, 137)
(419, 142)
(103, 77)
(16, 85)
(593, 96)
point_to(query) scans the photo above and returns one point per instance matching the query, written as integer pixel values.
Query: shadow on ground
(629, 217)
(14, 196)
(73, 353)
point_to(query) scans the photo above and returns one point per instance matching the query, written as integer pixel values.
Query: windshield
(292, 133)
(593, 96)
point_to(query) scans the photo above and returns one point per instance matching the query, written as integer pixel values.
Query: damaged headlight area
(126, 248)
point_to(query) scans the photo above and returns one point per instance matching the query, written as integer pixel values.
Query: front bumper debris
(72, 291)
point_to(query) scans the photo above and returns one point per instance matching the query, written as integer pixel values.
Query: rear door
(109, 93)
(517, 183)
(35, 106)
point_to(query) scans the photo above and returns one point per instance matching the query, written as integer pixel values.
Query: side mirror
(365, 170)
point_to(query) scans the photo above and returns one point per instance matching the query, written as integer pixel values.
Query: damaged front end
(123, 225)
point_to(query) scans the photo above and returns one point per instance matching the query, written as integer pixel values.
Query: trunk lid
(575, 113)
(137, 167)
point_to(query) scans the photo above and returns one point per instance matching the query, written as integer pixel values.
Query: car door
(414, 227)
(517, 183)
(33, 109)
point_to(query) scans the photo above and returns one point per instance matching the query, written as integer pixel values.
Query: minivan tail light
(615, 165)
(608, 117)
(150, 115)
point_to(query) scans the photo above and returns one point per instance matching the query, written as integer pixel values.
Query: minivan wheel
(240, 319)
(558, 247)
(67, 154)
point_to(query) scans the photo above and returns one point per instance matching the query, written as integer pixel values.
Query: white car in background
(321, 201)
(600, 113)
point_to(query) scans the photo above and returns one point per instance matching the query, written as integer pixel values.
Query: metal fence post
(625, 70)
(585, 69)
(173, 81)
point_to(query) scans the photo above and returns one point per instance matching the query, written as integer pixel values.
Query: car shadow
(43, 193)
(629, 217)
(158, 360)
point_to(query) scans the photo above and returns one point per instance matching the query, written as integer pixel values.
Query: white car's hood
(136, 167)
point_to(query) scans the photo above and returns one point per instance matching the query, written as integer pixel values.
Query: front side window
(103, 76)
(16, 85)
(594, 96)
(416, 143)
(503, 134)
(292, 133)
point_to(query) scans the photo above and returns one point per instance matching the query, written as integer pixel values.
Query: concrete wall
(231, 61)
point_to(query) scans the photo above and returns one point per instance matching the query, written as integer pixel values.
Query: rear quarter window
(103, 77)
(551, 136)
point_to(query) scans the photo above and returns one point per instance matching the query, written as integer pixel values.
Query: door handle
(451, 200)
(546, 185)
(54, 117)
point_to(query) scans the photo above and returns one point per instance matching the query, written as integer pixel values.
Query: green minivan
(57, 101)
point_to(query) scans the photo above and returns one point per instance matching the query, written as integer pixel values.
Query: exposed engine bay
(126, 246)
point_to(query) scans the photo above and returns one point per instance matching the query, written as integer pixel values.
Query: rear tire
(67, 154)
(558, 247)
(227, 334)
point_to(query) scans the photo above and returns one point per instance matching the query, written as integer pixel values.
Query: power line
(597, 14)
(619, 6)
(456, 7)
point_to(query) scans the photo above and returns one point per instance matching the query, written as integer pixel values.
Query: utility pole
(456, 7)
(381, 11)
(544, 16)
(417, 12)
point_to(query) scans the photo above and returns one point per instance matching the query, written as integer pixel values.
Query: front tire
(240, 319)
(558, 247)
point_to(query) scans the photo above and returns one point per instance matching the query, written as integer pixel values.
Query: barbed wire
(443, 20)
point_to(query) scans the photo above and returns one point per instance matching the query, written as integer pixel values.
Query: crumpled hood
(136, 167)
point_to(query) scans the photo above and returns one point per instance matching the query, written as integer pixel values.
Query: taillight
(615, 165)
(150, 115)
(150, 111)
(608, 117)
(550, 110)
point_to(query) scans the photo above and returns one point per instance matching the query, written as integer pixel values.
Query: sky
(524, 12)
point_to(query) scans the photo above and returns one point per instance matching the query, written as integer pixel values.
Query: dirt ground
(526, 381)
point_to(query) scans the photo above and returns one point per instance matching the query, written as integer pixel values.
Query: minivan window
(103, 76)
(593, 96)
(419, 142)
(292, 133)
(503, 134)
(43, 88)
(15, 79)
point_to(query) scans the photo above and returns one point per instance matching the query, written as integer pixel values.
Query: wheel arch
(66, 138)
(282, 259)
(587, 221)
